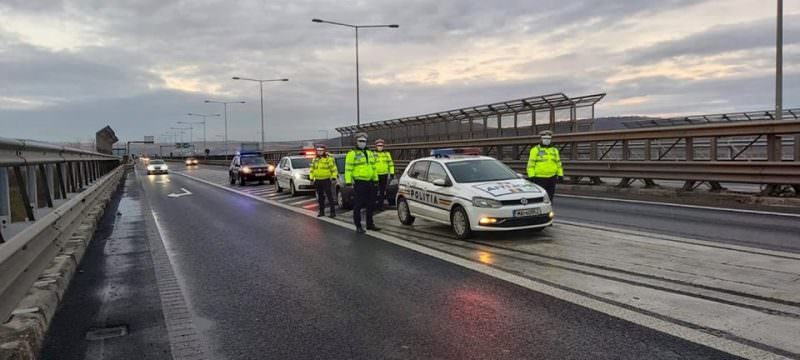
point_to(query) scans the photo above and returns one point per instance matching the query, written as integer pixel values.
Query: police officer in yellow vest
(323, 173)
(385, 167)
(360, 170)
(544, 165)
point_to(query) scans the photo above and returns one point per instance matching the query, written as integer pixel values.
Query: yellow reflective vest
(544, 162)
(360, 165)
(384, 163)
(323, 167)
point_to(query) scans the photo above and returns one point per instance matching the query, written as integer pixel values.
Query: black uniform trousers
(549, 185)
(383, 181)
(364, 198)
(324, 189)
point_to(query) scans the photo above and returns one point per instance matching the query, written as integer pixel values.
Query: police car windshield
(156, 162)
(300, 163)
(471, 171)
(253, 160)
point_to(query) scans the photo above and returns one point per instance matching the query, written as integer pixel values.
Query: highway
(267, 283)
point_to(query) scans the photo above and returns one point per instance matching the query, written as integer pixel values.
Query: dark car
(250, 167)
(344, 193)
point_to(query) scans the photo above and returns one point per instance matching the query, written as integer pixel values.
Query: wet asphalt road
(773, 232)
(265, 282)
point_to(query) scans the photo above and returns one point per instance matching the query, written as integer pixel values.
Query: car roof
(452, 158)
(250, 154)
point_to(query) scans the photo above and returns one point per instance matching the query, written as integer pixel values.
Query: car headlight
(247, 170)
(164, 167)
(298, 176)
(486, 203)
(270, 168)
(150, 167)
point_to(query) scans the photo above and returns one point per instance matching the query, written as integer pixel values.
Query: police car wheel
(460, 223)
(278, 187)
(242, 181)
(292, 190)
(404, 213)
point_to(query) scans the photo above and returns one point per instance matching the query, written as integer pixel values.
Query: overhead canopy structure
(788, 114)
(551, 102)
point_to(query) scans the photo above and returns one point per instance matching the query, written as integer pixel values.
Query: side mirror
(441, 182)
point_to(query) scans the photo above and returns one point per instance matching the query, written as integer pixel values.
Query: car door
(286, 172)
(417, 175)
(439, 195)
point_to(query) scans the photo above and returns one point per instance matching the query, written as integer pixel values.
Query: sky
(71, 67)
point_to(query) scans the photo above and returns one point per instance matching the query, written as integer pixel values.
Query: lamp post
(261, 93)
(225, 104)
(205, 120)
(779, 65)
(356, 27)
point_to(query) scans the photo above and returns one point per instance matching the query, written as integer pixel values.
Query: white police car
(471, 193)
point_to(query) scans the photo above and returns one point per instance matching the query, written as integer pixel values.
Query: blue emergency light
(455, 151)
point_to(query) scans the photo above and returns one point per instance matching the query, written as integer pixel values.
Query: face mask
(546, 141)
(380, 148)
(361, 144)
(320, 152)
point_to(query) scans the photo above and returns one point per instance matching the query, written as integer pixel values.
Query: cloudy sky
(70, 67)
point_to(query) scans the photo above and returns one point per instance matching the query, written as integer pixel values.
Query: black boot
(360, 230)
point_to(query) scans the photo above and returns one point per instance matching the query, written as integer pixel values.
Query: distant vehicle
(471, 193)
(250, 167)
(292, 173)
(157, 166)
(190, 161)
(344, 193)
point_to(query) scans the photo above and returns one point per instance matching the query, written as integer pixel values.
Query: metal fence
(45, 192)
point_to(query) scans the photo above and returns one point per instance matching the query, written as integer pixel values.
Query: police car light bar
(457, 151)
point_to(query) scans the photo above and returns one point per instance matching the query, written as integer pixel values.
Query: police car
(471, 193)
(292, 173)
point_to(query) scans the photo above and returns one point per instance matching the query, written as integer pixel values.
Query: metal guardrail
(36, 177)
(753, 152)
(75, 177)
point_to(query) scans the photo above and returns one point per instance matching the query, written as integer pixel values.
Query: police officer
(385, 167)
(359, 170)
(323, 173)
(544, 165)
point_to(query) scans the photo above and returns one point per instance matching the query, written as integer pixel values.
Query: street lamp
(225, 104)
(204, 116)
(356, 27)
(779, 65)
(261, 92)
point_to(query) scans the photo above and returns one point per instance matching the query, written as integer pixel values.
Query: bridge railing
(45, 190)
(755, 152)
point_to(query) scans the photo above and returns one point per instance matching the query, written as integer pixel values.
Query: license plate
(261, 175)
(527, 212)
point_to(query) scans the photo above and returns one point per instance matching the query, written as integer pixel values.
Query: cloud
(75, 66)
(721, 39)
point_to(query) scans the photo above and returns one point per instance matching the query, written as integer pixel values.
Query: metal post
(797, 148)
(774, 152)
(533, 122)
(779, 65)
(713, 151)
(358, 98)
(225, 105)
(48, 197)
(552, 119)
(648, 149)
(689, 149)
(23, 191)
(261, 94)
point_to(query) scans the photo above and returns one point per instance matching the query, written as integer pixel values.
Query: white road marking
(686, 333)
(177, 195)
(303, 201)
(744, 211)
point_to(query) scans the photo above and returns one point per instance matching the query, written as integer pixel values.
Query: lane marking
(302, 201)
(649, 321)
(177, 195)
(699, 207)
(185, 340)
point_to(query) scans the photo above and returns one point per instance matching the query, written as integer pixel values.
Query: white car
(471, 193)
(292, 173)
